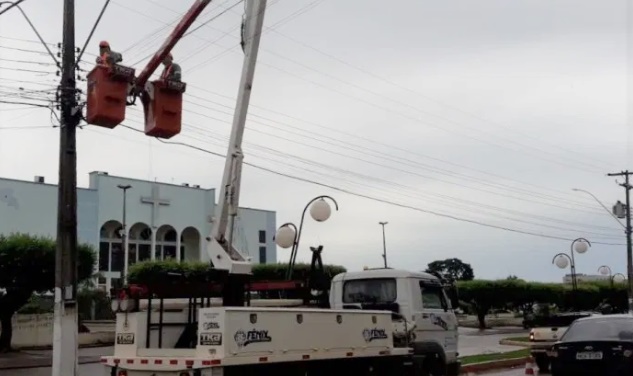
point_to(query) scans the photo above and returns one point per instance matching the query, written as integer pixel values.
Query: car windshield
(382, 290)
(602, 329)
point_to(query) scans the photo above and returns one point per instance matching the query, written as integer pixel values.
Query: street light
(384, 242)
(620, 278)
(289, 236)
(621, 211)
(124, 241)
(562, 260)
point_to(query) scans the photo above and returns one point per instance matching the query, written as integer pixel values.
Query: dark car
(597, 345)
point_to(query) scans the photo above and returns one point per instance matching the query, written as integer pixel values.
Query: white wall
(251, 221)
(35, 211)
(29, 207)
(187, 207)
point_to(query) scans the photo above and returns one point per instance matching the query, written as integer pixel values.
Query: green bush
(159, 271)
(27, 265)
(94, 304)
(480, 297)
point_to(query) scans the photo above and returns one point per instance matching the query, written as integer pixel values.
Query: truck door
(435, 321)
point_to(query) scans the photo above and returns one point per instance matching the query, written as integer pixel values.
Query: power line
(435, 213)
(432, 125)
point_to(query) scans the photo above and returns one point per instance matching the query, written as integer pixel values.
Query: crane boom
(180, 30)
(219, 247)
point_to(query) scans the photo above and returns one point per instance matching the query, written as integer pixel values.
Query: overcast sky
(478, 111)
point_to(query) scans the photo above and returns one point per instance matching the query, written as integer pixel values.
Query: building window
(262, 236)
(262, 255)
(132, 249)
(118, 258)
(104, 256)
(144, 252)
(169, 252)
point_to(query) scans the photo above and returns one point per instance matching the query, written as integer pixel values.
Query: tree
(27, 265)
(452, 269)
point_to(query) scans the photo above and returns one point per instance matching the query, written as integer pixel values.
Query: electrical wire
(376, 199)
(447, 200)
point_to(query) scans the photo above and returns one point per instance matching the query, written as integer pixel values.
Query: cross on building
(156, 202)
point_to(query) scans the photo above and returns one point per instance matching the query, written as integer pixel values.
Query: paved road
(510, 372)
(474, 342)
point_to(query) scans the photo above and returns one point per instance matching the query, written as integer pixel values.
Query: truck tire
(542, 362)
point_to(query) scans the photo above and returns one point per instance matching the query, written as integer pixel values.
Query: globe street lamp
(618, 277)
(289, 236)
(606, 270)
(562, 260)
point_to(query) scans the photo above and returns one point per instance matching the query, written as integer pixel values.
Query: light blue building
(172, 220)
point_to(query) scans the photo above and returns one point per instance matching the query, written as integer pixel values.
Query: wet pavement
(510, 372)
(475, 342)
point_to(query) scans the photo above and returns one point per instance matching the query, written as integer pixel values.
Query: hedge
(479, 297)
(153, 272)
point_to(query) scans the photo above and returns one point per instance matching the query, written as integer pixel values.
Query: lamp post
(621, 211)
(606, 270)
(621, 278)
(124, 241)
(384, 243)
(580, 245)
(288, 235)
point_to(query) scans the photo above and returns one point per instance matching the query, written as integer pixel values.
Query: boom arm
(170, 42)
(219, 247)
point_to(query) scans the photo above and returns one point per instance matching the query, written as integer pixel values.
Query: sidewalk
(43, 358)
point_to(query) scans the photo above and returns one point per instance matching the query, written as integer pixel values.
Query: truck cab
(416, 296)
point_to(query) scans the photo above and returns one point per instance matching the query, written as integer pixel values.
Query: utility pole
(629, 245)
(384, 243)
(65, 331)
(124, 237)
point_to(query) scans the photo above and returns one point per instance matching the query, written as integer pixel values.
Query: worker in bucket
(172, 71)
(106, 56)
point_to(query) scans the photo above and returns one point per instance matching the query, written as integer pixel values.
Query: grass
(494, 356)
(519, 339)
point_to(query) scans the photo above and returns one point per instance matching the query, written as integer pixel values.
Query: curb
(42, 362)
(514, 343)
(492, 365)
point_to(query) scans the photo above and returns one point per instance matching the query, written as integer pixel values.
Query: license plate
(589, 355)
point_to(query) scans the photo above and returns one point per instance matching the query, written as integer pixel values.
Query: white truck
(381, 322)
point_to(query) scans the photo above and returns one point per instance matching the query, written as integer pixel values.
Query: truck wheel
(542, 362)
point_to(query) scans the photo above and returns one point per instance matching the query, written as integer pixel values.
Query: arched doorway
(111, 256)
(190, 244)
(140, 243)
(166, 243)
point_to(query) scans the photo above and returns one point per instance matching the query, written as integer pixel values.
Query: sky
(464, 125)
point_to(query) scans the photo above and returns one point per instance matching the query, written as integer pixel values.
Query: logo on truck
(210, 339)
(244, 339)
(439, 321)
(210, 325)
(372, 334)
